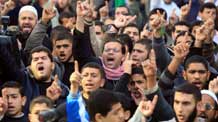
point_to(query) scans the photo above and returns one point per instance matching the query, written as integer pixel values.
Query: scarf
(112, 74)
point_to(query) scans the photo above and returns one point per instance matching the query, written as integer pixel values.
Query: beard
(191, 117)
(43, 79)
(22, 37)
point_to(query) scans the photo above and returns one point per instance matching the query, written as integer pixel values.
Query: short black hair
(183, 34)
(65, 14)
(113, 38)
(96, 66)
(196, 23)
(64, 36)
(207, 5)
(180, 23)
(41, 100)
(100, 24)
(124, 100)
(124, 38)
(101, 101)
(130, 25)
(161, 10)
(13, 84)
(188, 88)
(146, 42)
(56, 30)
(196, 59)
(40, 49)
(137, 70)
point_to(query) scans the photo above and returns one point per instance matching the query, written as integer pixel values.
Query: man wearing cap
(28, 18)
(207, 108)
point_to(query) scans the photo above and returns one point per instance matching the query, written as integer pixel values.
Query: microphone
(53, 114)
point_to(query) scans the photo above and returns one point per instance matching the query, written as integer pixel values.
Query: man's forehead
(63, 41)
(27, 14)
(183, 96)
(207, 98)
(139, 46)
(196, 65)
(91, 69)
(39, 107)
(10, 90)
(178, 27)
(137, 75)
(209, 9)
(112, 43)
(39, 54)
(154, 15)
(131, 28)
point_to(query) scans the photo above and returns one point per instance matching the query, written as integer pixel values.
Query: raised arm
(158, 26)
(82, 43)
(75, 106)
(38, 34)
(121, 85)
(162, 111)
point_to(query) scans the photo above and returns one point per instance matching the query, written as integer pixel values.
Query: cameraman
(38, 78)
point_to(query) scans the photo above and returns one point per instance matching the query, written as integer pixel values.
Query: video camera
(8, 38)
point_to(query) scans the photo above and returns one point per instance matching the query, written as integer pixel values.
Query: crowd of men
(109, 61)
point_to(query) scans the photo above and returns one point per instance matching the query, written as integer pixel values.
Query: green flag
(119, 3)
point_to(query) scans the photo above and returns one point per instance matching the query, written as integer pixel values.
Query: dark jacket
(32, 87)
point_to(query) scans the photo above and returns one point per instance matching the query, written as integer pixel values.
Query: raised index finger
(55, 82)
(152, 56)
(127, 56)
(189, 3)
(154, 101)
(76, 66)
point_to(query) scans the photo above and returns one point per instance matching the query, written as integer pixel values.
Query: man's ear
(200, 14)
(98, 117)
(127, 114)
(184, 74)
(52, 66)
(23, 100)
(216, 115)
(208, 75)
(129, 87)
(123, 58)
(102, 82)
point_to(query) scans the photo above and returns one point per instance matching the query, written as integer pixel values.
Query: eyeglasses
(206, 106)
(115, 50)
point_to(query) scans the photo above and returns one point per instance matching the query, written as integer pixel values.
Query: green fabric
(119, 3)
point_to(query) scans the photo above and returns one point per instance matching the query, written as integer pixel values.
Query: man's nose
(197, 75)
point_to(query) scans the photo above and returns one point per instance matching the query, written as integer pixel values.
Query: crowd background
(109, 60)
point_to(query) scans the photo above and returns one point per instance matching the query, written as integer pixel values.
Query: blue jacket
(76, 110)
